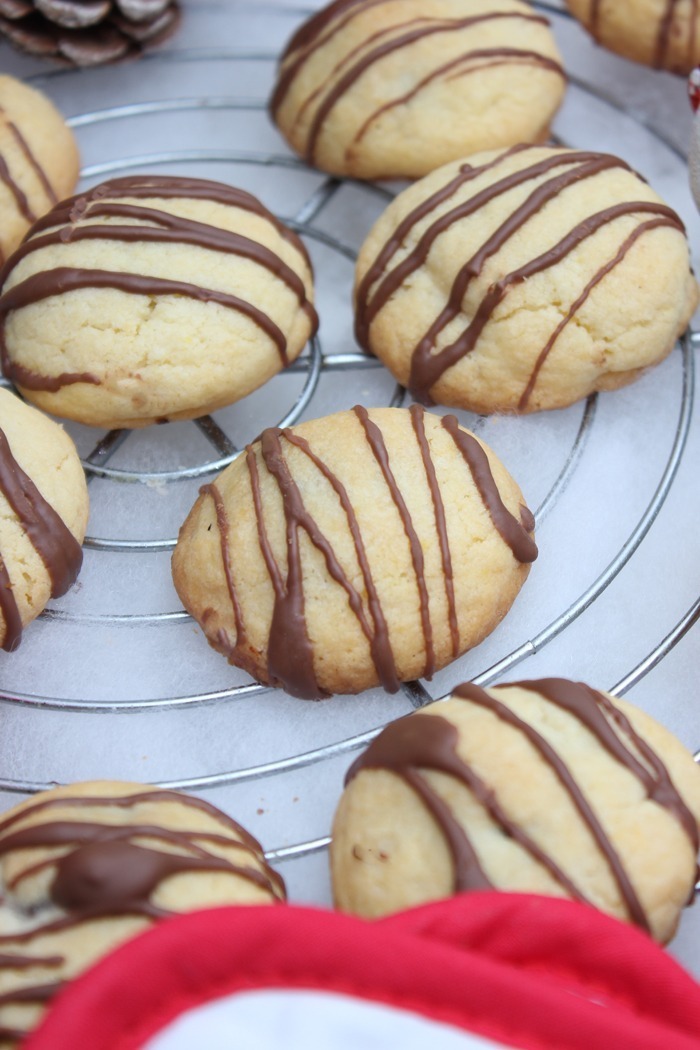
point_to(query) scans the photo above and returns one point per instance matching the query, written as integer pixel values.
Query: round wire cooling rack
(119, 644)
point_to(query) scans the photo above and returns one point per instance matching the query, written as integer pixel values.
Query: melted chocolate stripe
(380, 643)
(465, 174)
(290, 653)
(127, 801)
(426, 368)
(379, 451)
(475, 695)
(578, 303)
(417, 419)
(28, 962)
(664, 33)
(38, 993)
(167, 188)
(511, 530)
(172, 230)
(395, 44)
(32, 161)
(418, 743)
(16, 191)
(595, 711)
(393, 280)
(66, 279)
(223, 527)
(49, 535)
(501, 55)
(263, 540)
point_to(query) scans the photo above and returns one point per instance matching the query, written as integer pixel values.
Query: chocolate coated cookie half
(524, 279)
(364, 548)
(152, 298)
(87, 866)
(43, 515)
(395, 88)
(544, 786)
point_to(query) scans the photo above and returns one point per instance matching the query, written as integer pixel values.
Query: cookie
(659, 33)
(524, 279)
(43, 515)
(39, 160)
(377, 89)
(85, 867)
(152, 298)
(543, 787)
(365, 548)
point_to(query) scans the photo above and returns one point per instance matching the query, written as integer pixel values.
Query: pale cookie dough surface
(358, 549)
(153, 298)
(545, 787)
(389, 88)
(85, 867)
(39, 160)
(43, 514)
(524, 279)
(664, 34)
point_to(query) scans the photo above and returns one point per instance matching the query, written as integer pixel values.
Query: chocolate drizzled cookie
(153, 298)
(542, 786)
(87, 866)
(364, 548)
(524, 279)
(664, 34)
(375, 89)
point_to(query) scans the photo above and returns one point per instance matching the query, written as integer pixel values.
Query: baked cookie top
(151, 298)
(542, 786)
(659, 33)
(363, 548)
(38, 160)
(43, 515)
(85, 867)
(389, 88)
(524, 279)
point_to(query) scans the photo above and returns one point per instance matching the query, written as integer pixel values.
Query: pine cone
(87, 32)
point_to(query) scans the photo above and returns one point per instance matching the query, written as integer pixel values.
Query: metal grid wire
(314, 364)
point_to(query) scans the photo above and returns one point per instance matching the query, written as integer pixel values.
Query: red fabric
(530, 972)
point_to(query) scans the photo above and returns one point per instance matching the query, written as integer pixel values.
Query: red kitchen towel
(480, 970)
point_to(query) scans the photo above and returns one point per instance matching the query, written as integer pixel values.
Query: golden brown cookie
(659, 33)
(524, 279)
(85, 867)
(359, 549)
(39, 160)
(43, 515)
(391, 88)
(152, 298)
(545, 787)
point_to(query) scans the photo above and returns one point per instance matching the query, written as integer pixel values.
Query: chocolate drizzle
(6, 176)
(414, 744)
(151, 225)
(381, 281)
(49, 535)
(106, 872)
(290, 659)
(324, 26)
